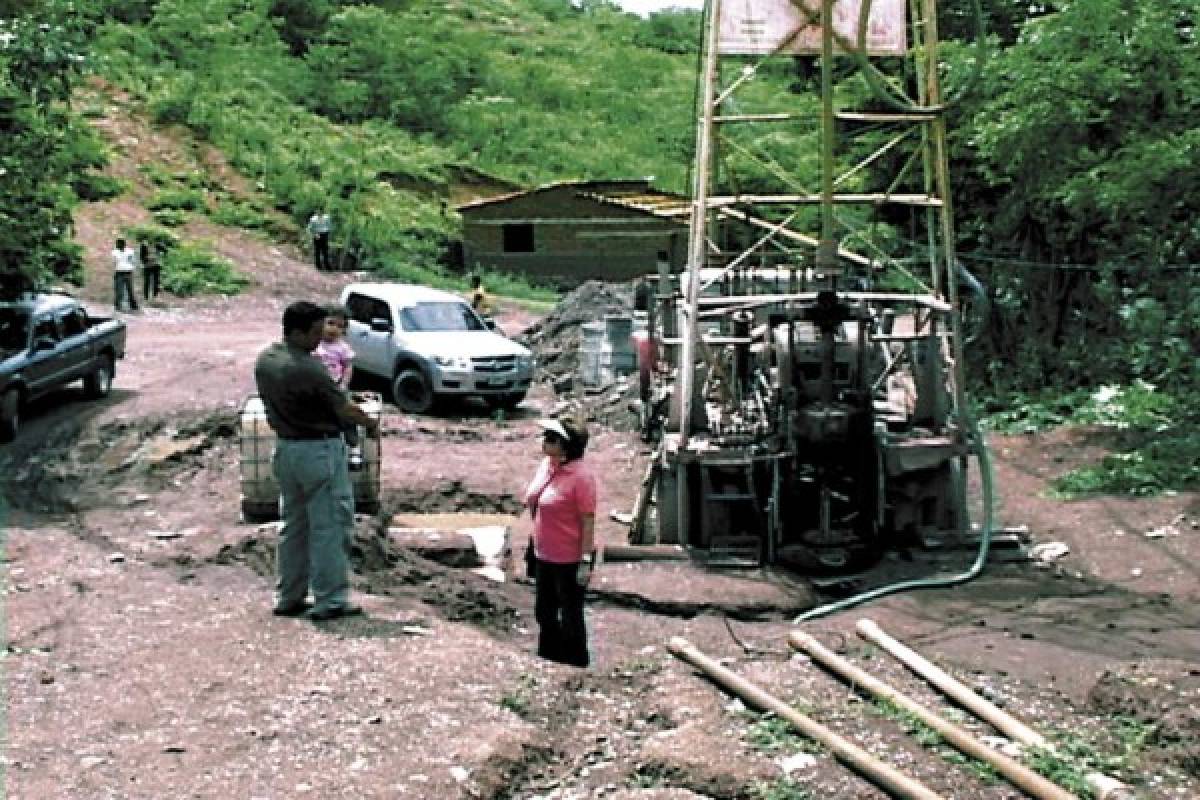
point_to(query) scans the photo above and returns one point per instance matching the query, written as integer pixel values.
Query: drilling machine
(801, 416)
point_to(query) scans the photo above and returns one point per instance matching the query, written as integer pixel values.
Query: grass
(193, 268)
(1074, 756)
(931, 740)
(1154, 433)
(1062, 770)
(772, 734)
(515, 287)
(170, 217)
(92, 186)
(782, 789)
(519, 698)
(158, 236)
(1151, 466)
(176, 199)
(235, 214)
(651, 776)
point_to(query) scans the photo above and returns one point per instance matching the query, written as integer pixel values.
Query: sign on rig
(759, 27)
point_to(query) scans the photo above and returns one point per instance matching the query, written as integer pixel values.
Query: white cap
(555, 427)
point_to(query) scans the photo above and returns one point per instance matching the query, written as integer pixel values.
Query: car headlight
(525, 362)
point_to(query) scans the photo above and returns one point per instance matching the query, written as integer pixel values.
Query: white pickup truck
(429, 345)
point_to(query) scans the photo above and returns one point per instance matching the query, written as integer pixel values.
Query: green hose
(895, 98)
(985, 540)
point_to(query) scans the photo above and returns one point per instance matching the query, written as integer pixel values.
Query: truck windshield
(14, 329)
(440, 317)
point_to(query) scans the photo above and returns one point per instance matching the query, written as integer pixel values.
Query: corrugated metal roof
(660, 204)
(634, 194)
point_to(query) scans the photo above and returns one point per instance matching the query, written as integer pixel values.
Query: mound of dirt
(557, 340)
(1159, 694)
(452, 497)
(382, 568)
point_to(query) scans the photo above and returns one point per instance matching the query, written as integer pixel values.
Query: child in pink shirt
(338, 357)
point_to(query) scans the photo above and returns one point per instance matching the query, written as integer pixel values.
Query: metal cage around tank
(256, 447)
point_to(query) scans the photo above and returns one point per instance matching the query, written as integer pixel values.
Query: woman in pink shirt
(562, 500)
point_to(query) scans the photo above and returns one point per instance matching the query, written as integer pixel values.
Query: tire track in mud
(82, 465)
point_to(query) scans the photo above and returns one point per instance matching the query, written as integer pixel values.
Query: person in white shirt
(124, 263)
(319, 226)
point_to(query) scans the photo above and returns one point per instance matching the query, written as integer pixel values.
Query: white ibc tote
(260, 490)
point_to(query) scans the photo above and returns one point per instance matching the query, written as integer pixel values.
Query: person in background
(151, 271)
(338, 357)
(319, 226)
(306, 409)
(561, 498)
(124, 263)
(481, 301)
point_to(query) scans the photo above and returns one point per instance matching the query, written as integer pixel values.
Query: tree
(408, 68)
(300, 22)
(1081, 146)
(40, 58)
(1002, 19)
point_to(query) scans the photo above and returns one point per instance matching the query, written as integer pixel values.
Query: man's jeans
(318, 521)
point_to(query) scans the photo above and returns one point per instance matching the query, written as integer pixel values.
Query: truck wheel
(99, 383)
(412, 391)
(10, 415)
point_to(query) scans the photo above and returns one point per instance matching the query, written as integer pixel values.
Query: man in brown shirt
(305, 408)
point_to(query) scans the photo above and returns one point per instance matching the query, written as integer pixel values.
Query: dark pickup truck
(47, 341)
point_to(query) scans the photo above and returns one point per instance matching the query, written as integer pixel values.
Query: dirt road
(143, 662)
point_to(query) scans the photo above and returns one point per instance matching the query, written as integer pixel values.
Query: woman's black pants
(558, 607)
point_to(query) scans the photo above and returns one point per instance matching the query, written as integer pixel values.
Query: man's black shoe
(294, 610)
(337, 612)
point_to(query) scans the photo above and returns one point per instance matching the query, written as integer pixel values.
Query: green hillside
(365, 109)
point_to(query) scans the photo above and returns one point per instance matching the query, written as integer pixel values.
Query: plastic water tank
(591, 354)
(617, 330)
(260, 490)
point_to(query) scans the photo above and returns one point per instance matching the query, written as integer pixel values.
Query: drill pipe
(1105, 787)
(1018, 774)
(891, 780)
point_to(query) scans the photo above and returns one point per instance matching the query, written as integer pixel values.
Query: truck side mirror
(381, 325)
(490, 323)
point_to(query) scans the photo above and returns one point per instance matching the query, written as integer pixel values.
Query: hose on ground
(985, 538)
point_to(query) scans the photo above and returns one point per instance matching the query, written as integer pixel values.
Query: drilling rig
(807, 398)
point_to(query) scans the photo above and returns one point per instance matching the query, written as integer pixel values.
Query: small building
(570, 232)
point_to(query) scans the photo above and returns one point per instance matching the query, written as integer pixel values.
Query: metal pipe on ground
(1104, 786)
(881, 774)
(644, 552)
(1017, 773)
